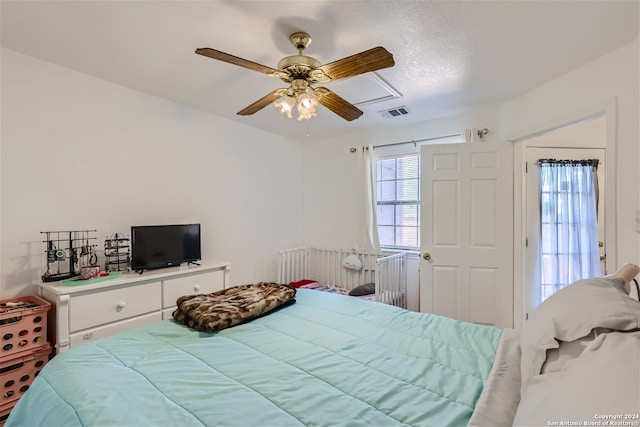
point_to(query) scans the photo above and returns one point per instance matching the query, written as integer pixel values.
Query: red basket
(23, 325)
(5, 410)
(17, 374)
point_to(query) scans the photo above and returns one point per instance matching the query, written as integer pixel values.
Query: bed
(333, 360)
(368, 275)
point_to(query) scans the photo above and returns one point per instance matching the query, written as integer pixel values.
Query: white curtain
(365, 191)
(569, 223)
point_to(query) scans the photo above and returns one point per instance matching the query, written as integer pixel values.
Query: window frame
(387, 153)
(408, 148)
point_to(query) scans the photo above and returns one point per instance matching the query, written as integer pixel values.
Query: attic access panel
(365, 89)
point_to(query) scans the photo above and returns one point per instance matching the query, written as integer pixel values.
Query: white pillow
(601, 382)
(567, 350)
(572, 313)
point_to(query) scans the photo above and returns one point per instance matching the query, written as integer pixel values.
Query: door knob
(426, 256)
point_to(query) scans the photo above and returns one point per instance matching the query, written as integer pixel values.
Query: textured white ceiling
(450, 55)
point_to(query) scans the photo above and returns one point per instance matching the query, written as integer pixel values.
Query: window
(396, 170)
(568, 222)
(398, 201)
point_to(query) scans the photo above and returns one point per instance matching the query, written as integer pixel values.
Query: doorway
(584, 140)
(534, 294)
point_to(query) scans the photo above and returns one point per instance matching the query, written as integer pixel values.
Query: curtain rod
(584, 162)
(416, 141)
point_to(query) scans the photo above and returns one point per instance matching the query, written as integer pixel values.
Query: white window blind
(398, 201)
(397, 187)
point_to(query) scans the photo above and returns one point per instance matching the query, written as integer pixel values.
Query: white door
(532, 289)
(467, 232)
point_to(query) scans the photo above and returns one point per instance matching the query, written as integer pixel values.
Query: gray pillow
(366, 289)
(572, 313)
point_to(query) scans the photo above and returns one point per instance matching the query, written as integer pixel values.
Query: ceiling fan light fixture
(285, 105)
(307, 107)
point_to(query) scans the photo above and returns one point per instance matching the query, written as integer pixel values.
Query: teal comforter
(327, 360)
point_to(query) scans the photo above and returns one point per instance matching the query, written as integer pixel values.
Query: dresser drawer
(90, 310)
(167, 313)
(172, 289)
(112, 328)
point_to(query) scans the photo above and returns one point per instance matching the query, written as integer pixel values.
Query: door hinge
(526, 167)
(526, 242)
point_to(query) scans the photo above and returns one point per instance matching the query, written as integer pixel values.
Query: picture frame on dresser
(85, 312)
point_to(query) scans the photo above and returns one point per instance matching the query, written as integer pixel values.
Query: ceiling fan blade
(263, 102)
(363, 62)
(231, 59)
(336, 104)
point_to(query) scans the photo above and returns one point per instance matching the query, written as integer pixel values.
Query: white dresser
(89, 311)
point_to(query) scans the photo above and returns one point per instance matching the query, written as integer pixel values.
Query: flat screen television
(158, 246)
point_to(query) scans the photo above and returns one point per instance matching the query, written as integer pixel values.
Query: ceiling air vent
(395, 112)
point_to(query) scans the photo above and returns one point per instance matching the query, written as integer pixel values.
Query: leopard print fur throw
(231, 306)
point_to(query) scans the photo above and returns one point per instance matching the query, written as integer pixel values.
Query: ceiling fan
(301, 72)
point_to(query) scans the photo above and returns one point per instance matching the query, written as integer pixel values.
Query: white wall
(330, 210)
(611, 79)
(587, 134)
(330, 214)
(82, 153)
(58, 124)
(330, 169)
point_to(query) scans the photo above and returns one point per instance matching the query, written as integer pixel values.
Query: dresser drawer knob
(87, 336)
(121, 305)
(196, 288)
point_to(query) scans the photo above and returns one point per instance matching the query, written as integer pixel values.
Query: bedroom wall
(81, 153)
(612, 77)
(64, 134)
(331, 216)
